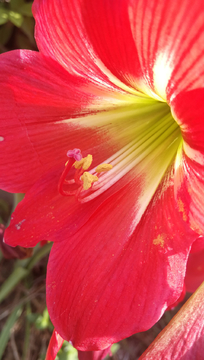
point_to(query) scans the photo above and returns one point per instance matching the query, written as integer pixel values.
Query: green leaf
(12, 281)
(16, 18)
(26, 9)
(5, 334)
(4, 16)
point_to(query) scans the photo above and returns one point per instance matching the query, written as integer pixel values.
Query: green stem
(21, 272)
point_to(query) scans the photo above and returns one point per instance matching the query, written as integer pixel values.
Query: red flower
(107, 79)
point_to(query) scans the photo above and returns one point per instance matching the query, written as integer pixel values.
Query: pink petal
(194, 271)
(106, 282)
(183, 336)
(94, 355)
(35, 128)
(55, 345)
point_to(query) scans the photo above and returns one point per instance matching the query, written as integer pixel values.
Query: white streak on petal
(193, 154)
(162, 74)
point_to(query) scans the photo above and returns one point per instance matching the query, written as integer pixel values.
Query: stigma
(82, 180)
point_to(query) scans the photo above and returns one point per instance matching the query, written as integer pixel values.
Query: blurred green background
(16, 25)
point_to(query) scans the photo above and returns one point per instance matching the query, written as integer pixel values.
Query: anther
(84, 163)
(88, 179)
(83, 179)
(103, 168)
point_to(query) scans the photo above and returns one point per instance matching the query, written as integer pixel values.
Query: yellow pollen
(78, 164)
(88, 179)
(159, 240)
(182, 209)
(87, 162)
(84, 162)
(103, 167)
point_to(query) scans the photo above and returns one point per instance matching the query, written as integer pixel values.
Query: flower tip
(75, 153)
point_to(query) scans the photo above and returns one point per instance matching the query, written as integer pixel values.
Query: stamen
(88, 179)
(148, 145)
(82, 178)
(78, 164)
(103, 167)
(85, 163)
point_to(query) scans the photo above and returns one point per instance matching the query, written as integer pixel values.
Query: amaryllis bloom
(103, 130)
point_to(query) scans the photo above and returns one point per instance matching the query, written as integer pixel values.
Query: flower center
(149, 139)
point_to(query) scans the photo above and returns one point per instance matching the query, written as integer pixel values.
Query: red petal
(45, 214)
(194, 271)
(170, 49)
(69, 45)
(189, 109)
(35, 130)
(183, 336)
(181, 298)
(198, 245)
(11, 252)
(104, 284)
(143, 39)
(94, 355)
(108, 26)
(55, 344)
